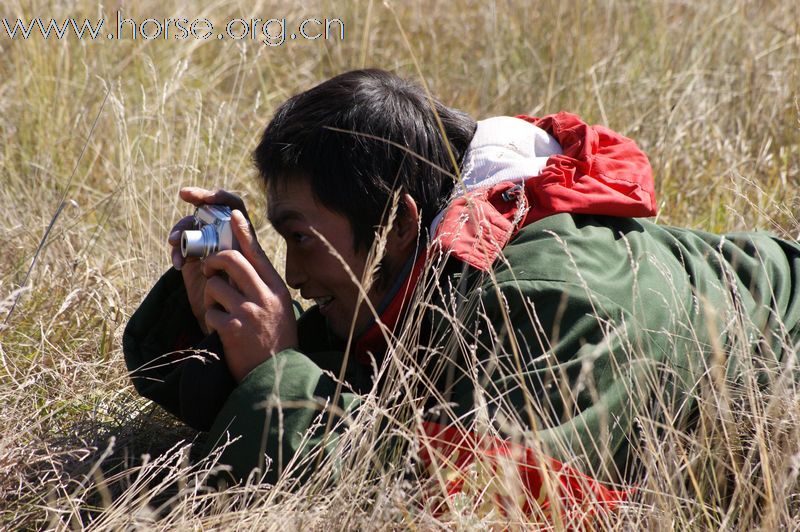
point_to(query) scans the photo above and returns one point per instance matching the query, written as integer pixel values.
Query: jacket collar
(373, 340)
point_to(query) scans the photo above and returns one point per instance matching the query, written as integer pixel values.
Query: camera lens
(200, 243)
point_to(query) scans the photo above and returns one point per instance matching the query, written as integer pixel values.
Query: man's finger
(252, 251)
(223, 197)
(244, 231)
(239, 270)
(216, 320)
(200, 196)
(178, 259)
(219, 292)
(174, 238)
(222, 322)
(195, 195)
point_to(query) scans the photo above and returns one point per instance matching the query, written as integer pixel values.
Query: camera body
(212, 233)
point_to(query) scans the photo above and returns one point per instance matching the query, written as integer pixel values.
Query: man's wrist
(240, 374)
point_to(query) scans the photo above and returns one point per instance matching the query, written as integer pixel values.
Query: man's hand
(251, 310)
(190, 267)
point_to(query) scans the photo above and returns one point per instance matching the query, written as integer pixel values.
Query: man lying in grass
(505, 266)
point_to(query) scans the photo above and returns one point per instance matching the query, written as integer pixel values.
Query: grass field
(99, 135)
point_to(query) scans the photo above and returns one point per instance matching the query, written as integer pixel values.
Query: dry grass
(708, 89)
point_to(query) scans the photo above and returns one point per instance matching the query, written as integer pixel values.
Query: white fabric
(504, 148)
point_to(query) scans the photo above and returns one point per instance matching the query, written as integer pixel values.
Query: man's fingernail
(243, 221)
(173, 235)
(177, 263)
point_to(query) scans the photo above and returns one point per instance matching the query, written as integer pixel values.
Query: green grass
(708, 89)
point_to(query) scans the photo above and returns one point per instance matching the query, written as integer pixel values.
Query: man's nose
(295, 274)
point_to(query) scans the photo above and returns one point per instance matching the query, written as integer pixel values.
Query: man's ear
(405, 229)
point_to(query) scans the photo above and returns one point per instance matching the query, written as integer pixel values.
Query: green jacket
(581, 324)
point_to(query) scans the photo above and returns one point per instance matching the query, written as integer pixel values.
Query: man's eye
(299, 238)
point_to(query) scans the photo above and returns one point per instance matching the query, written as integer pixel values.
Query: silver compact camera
(212, 232)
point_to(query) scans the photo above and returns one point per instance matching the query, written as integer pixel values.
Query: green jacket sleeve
(169, 359)
(280, 412)
(268, 414)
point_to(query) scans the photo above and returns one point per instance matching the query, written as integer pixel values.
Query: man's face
(310, 229)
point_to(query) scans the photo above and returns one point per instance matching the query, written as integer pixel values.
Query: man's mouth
(323, 302)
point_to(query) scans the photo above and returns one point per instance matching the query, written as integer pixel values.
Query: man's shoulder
(559, 247)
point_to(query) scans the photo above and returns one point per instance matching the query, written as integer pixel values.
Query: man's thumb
(243, 233)
(248, 245)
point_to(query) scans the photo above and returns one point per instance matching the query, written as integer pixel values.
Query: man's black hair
(355, 137)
